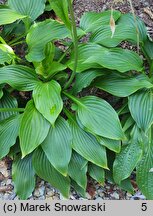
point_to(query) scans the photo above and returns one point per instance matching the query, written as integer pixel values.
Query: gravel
(43, 190)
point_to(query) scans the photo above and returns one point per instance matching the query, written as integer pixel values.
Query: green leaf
(7, 101)
(121, 85)
(141, 108)
(123, 32)
(144, 173)
(42, 33)
(33, 130)
(114, 145)
(91, 21)
(87, 146)
(48, 101)
(23, 177)
(6, 54)
(19, 77)
(46, 171)
(148, 48)
(99, 117)
(32, 9)
(8, 15)
(61, 10)
(122, 60)
(1, 92)
(96, 173)
(78, 169)
(127, 186)
(78, 189)
(126, 161)
(9, 130)
(57, 145)
(84, 79)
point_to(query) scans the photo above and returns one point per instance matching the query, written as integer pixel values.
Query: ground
(142, 8)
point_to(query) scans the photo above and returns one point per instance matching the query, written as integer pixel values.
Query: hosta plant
(71, 109)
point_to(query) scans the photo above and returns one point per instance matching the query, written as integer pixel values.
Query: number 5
(144, 207)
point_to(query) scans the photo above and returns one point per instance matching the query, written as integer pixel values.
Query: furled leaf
(9, 130)
(33, 130)
(96, 173)
(48, 100)
(23, 177)
(141, 108)
(29, 8)
(121, 85)
(84, 79)
(114, 145)
(95, 56)
(57, 145)
(78, 169)
(19, 77)
(87, 146)
(144, 174)
(42, 33)
(46, 171)
(61, 10)
(7, 101)
(126, 161)
(8, 15)
(99, 117)
(125, 30)
(6, 54)
(91, 21)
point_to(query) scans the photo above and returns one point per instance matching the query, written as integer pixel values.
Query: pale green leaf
(87, 146)
(9, 130)
(58, 145)
(96, 173)
(40, 34)
(46, 171)
(8, 15)
(23, 177)
(6, 54)
(19, 77)
(48, 101)
(95, 56)
(91, 21)
(114, 145)
(121, 85)
(141, 108)
(30, 8)
(33, 129)
(78, 169)
(7, 101)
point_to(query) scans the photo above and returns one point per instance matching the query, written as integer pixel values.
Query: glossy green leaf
(9, 130)
(1, 93)
(114, 145)
(84, 79)
(32, 9)
(42, 33)
(99, 117)
(87, 146)
(7, 101)
(33, 129)
(46, 171)
(141, 108)
(48, 101)
(6, 54)
(126, 161)
(121, 85)
(78, 189)
(78, 169)
(125, 30)
(144, 173)
(96, 173)
(23, 177)
(19, 77)
(61, 10)
(148, 48)
(91, 21)
(95, 56)
(8, 15)
(58, 145)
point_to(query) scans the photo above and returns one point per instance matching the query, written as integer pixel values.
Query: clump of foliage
(61, 132)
